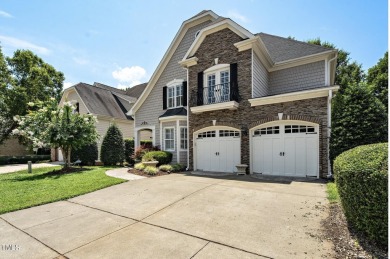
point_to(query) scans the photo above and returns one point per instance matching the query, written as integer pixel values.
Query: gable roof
(101, 101)
(282, 49)
(197, 19)
(136, 90)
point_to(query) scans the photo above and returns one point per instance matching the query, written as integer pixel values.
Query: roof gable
(198, 19)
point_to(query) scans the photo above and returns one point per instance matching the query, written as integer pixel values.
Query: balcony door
(217, 89)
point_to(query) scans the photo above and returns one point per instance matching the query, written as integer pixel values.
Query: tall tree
(377, 78)
(29, 79)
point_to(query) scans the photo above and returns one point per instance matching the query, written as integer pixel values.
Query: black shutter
(164, 98)
(185, 93)
(233, 82)
(200, 89)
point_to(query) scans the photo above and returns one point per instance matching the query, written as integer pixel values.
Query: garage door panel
(312, 156)
(277, 159)
(289, 156)
(258, 159)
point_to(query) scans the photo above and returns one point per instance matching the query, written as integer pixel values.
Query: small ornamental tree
(47, 125)
(113, 151)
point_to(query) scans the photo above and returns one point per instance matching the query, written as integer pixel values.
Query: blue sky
(120, 43)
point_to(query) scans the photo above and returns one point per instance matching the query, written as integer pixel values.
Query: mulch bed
(68, 170)
(141, 173)
(347, 242)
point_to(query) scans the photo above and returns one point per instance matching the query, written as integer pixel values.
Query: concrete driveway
(175, 216)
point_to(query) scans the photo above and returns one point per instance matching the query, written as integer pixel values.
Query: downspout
(330, 96)
(188, 123)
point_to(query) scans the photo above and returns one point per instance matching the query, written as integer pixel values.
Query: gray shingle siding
(260, 78)
(304, 77)
(152, 107)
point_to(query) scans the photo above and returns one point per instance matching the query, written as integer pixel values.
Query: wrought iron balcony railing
(216, 94)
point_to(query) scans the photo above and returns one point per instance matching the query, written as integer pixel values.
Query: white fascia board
(232, 105)
(296, 96)
(227, 23)
(173, 118)
(168, 54)
(302, 60)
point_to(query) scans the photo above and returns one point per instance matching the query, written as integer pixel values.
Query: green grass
(333, 194)
(21, 190)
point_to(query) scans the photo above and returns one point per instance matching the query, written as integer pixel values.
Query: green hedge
(361, 176)
(87, 154)
(163, 157)
(129, 150)
(146, 143)
(4, 160)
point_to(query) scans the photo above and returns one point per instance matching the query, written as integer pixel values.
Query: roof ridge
(104, 86)
(294, 40)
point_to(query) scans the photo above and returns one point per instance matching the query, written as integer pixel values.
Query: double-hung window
(174, 94)
(183, 138)
(217, 87)
(169, 139)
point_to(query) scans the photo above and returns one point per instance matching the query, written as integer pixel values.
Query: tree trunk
(66, 156)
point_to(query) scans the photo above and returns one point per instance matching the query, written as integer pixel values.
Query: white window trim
(164, 139)
(173, 84)
(181, 149)
(217, 67)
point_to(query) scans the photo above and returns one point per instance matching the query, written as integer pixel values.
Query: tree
(358, 118)
(87, 154)
(25, 78)
(112, 151)
(57, 127)
(377, 79)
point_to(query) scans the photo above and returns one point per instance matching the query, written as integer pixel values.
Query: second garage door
(217, 150)
(286, 149)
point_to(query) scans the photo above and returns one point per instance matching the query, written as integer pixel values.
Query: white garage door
(285, 149)
(218, 150)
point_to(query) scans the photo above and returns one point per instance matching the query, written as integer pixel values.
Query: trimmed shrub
(361, 176)
(150, 170)
(4, 160)
(112, 151)
(163, 157)
(87, 154)
(140, 151)
(177, 167)
(129, 150)
(166, 168)
(139, 166)
(146, 143)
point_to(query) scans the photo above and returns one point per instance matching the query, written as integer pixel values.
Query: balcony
(216, 97)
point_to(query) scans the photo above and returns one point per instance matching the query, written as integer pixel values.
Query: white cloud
(22, 44)
(5, 14)
(237, 16)
(130, 76)
(67, 85)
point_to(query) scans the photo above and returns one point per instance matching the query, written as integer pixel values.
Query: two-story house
(223, 96)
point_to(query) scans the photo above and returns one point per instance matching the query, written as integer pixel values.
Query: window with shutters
(174, 94)
(217, 84)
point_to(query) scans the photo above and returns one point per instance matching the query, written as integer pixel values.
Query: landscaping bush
(166, 168)
(163, 157)
(148, 157)
(146, 143)
(150, 170)
(361, 176)
(139, 166)
(4, 160)
(112, 151)
(140, 151)
(129, 150)
(177, 167)
(88, 154)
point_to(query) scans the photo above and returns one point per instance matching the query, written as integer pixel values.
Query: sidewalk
(4, 169)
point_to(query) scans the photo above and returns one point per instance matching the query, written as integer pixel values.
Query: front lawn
(21, 190)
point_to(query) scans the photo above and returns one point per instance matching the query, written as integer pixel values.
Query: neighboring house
(223, 96)
(108, 104)
(12, 147)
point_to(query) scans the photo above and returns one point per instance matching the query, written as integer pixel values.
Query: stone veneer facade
(220, 45)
